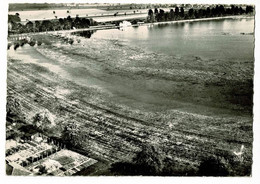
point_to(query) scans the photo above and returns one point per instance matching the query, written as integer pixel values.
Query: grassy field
(62, 13)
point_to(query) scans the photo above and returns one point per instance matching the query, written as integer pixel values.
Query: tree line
(68, 23)
(151, 161)
(179, 13)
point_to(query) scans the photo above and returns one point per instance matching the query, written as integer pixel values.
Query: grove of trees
(151, 161)
(179, 13)
(15, 25)
(148, 162)
(156, 15)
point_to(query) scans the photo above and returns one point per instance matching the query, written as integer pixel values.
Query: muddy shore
(117, 99)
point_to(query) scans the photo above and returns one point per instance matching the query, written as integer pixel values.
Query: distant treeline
(32, 6)
(47, 25)
(179, 13)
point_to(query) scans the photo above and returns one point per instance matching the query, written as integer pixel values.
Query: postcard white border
(130, 180)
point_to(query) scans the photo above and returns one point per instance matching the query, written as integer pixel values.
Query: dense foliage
(179, 13)
(156, 15)
(212, 167)
(14, 112)
(70, 133)
(151, 161)
(147, 162)
(43, 120)
(15, 26)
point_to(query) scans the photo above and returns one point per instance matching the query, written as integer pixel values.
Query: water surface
(202, 67)
(218, 39)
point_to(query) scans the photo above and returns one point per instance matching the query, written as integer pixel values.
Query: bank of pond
(15, 25)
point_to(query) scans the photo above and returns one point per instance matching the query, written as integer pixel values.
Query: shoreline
(200, 19)
(104, 27)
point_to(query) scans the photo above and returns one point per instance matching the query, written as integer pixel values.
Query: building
(41, 155)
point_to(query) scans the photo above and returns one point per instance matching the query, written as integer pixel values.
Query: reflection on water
(214, 40)
(206, 39)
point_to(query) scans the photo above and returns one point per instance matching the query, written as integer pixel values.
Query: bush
(148, 162)
(71, 41)
(212, 166)
(32, 43)
(16, 46)
(14, 110)
(39, 43)
(124, 168)
(44, 121)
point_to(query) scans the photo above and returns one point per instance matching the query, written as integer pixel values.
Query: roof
(19, 170)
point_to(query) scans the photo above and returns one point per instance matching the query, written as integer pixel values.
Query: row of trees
(151, 161)
(47, 25)
(180, 14)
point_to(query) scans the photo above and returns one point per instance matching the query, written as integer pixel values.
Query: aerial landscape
(129, 89)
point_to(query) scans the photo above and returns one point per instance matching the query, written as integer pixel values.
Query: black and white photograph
(129, 89)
